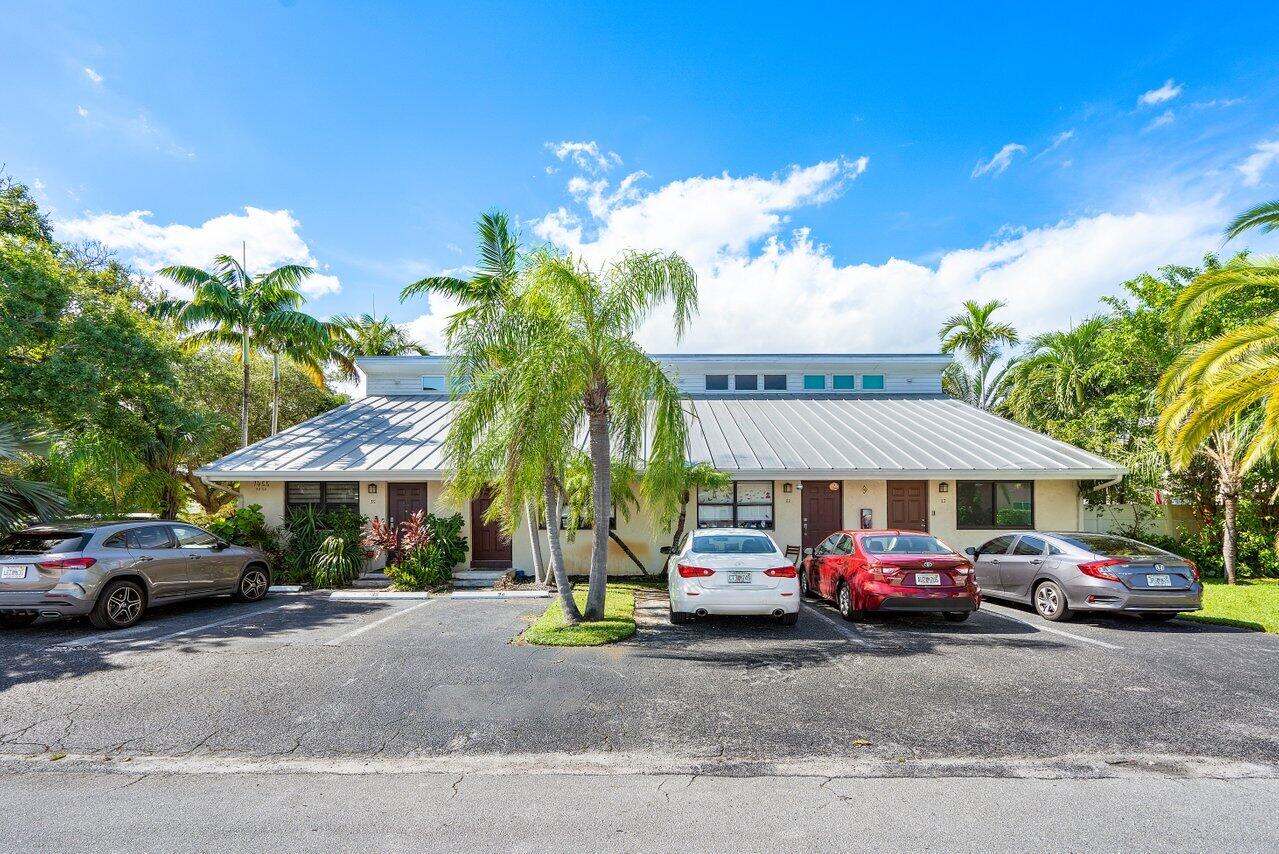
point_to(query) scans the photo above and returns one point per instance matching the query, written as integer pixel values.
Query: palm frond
(1264, 217)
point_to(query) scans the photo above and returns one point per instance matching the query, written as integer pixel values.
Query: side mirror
(666, 550)
(808, 552)
(220, 545)
(970, 551)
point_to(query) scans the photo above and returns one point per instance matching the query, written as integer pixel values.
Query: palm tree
(694, 477)
(367, 335)
(1055, 375)
(309, 346)
(1264, 217)
(977, 337)
(582, 365)
(976, 386)
(230, 306)
(22, 500)
(177, 444)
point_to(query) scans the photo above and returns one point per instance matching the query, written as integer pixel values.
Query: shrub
(246, 526)
(308, 529)
(334, 565)
(429, 547)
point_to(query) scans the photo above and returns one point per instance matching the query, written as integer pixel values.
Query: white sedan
(731, 571)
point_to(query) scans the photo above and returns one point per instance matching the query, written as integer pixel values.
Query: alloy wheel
(253, 585)
(845, 600)
(1047, 602)
(125, 604)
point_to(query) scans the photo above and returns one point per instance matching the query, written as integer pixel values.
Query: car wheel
(678, 617)
(1050, 602)
(956, 616)
(17, 621)
(844, 599)
(119, 605)
(804, 589)
(1158, 616)
(789, 619)
(253, 586)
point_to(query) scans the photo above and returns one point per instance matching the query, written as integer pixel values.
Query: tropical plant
(1264, 217)
(367, 335)
(245, 526)
(334, 564)
(695, 476)
(431, 546)
(977, 337)
(976, 386)
(230, 306)
(22, 500)
(177, 445)
(1055, 373)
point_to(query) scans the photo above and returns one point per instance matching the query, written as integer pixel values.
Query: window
(746, 382)
(873, 382)
(997, 546)
(433, 382)
(323, 496)
(826, 546)
(814, 382)
(717, 382)
(190, 537)
(774, 382)
(843, 382)
(43, 542)
(741, 504)
(843, 545)
(734, 544)
(995, 504)
(908, 545)
(1112, 546)
(1029, 547)
(153, 537)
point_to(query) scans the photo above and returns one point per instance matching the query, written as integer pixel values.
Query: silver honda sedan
(112, 572)
(1060, 573)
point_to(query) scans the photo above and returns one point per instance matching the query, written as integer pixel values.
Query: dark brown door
(823, 510)
(908, 504)
(404, 499)
(489, 549)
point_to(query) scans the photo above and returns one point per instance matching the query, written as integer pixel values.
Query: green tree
(695, 476)
(1057, 374)
(230, 306)
(20, 499)
(976, 336)
(367, 335)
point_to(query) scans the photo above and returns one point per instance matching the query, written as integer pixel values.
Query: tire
(1159, 616)
(120, 605)
(1050, 602)
(804, 590)
(678, 617)
(844, 601)
(789, 619)
(17, 621)
(956, 616)
(254, 584)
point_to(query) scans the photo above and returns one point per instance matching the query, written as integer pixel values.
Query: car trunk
(1152, 573)
(738, 571)
(21, 555)
(919, 570)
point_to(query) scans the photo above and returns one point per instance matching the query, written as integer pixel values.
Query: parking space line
(1039, 628)
(103, 637)
(338, 641)
(129, 634)
(846, 631)
(214, 624)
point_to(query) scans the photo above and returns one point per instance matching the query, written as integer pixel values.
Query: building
(813, 443)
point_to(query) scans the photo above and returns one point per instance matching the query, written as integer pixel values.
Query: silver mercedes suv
(112, 572)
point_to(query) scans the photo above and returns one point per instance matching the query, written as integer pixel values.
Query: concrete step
(372, 581)
(478, 578)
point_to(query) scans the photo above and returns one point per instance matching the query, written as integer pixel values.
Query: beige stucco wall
(270, 494)
(1056, 508)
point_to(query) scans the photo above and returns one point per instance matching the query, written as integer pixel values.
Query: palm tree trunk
(275, 393)
(530, 521)
(1229, 532)
(682, 520)
(567, 603)
(602, 501)
(244, 392)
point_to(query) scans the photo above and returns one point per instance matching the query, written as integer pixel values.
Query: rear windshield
(900, 545)
(38, 543)
(1107, 544)
(733, 544)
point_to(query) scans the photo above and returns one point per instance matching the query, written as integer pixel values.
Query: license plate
(927, 579)
(1159, 581)
(13, 572)
(739, 578)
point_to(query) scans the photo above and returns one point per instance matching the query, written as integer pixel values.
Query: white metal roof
(793, 436)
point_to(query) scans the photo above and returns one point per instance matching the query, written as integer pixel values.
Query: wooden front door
(489, 549)
(823, 510)
(908, 504)
(403, 500)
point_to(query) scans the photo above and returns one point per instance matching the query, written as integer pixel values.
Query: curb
(500, 594)
(284, 588)
(374, 595)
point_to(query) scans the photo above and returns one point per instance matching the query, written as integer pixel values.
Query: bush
(430, 547)
(1255, 558)
(334, 565)
(246, 526)
(308, 529)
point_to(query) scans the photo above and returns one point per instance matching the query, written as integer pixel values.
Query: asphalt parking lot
(306, 676)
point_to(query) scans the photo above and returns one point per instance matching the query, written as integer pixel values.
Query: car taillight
(880, 568)
(68, 563)
(781, 572)
(686, 571)
(962, 569)
(1194, 570)
(1097, 568)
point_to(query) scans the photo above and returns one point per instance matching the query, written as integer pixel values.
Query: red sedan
(890, 571)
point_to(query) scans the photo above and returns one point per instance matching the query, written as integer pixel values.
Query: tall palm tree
(1056, 373)
(22, 500)
(695, 476)
(309, 346)
(582, 365)
(230, 306)
(977, 337)
(976, 386)
(367, 335)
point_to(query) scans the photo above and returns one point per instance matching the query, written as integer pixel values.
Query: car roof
(71, 526)
(736, 531)
(884, 532)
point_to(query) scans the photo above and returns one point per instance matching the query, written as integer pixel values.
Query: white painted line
(374, 596)
(847, 631)
(104, 636)
(130, 634)
(1040, 628)
(213, 625)
(337, 641)
(501, 594)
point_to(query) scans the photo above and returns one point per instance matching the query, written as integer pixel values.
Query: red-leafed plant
(383, 537)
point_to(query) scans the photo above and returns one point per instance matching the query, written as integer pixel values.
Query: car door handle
(992, 560)
(193, 557)
(144, 558)
(1036, 561)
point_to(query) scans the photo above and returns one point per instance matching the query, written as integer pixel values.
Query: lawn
(618, 623)
(1250, 604)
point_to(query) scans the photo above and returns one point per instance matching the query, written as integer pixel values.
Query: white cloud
(790, 293)
(1000, 162)
(92, 75)
(82, 111)
(1162, 95)
(272, 238)
(585, 155)
(1217, 102)
(1264, 153)
(1058, 141)
(1164, 118)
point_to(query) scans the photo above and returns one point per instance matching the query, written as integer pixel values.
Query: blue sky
(834, 173)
